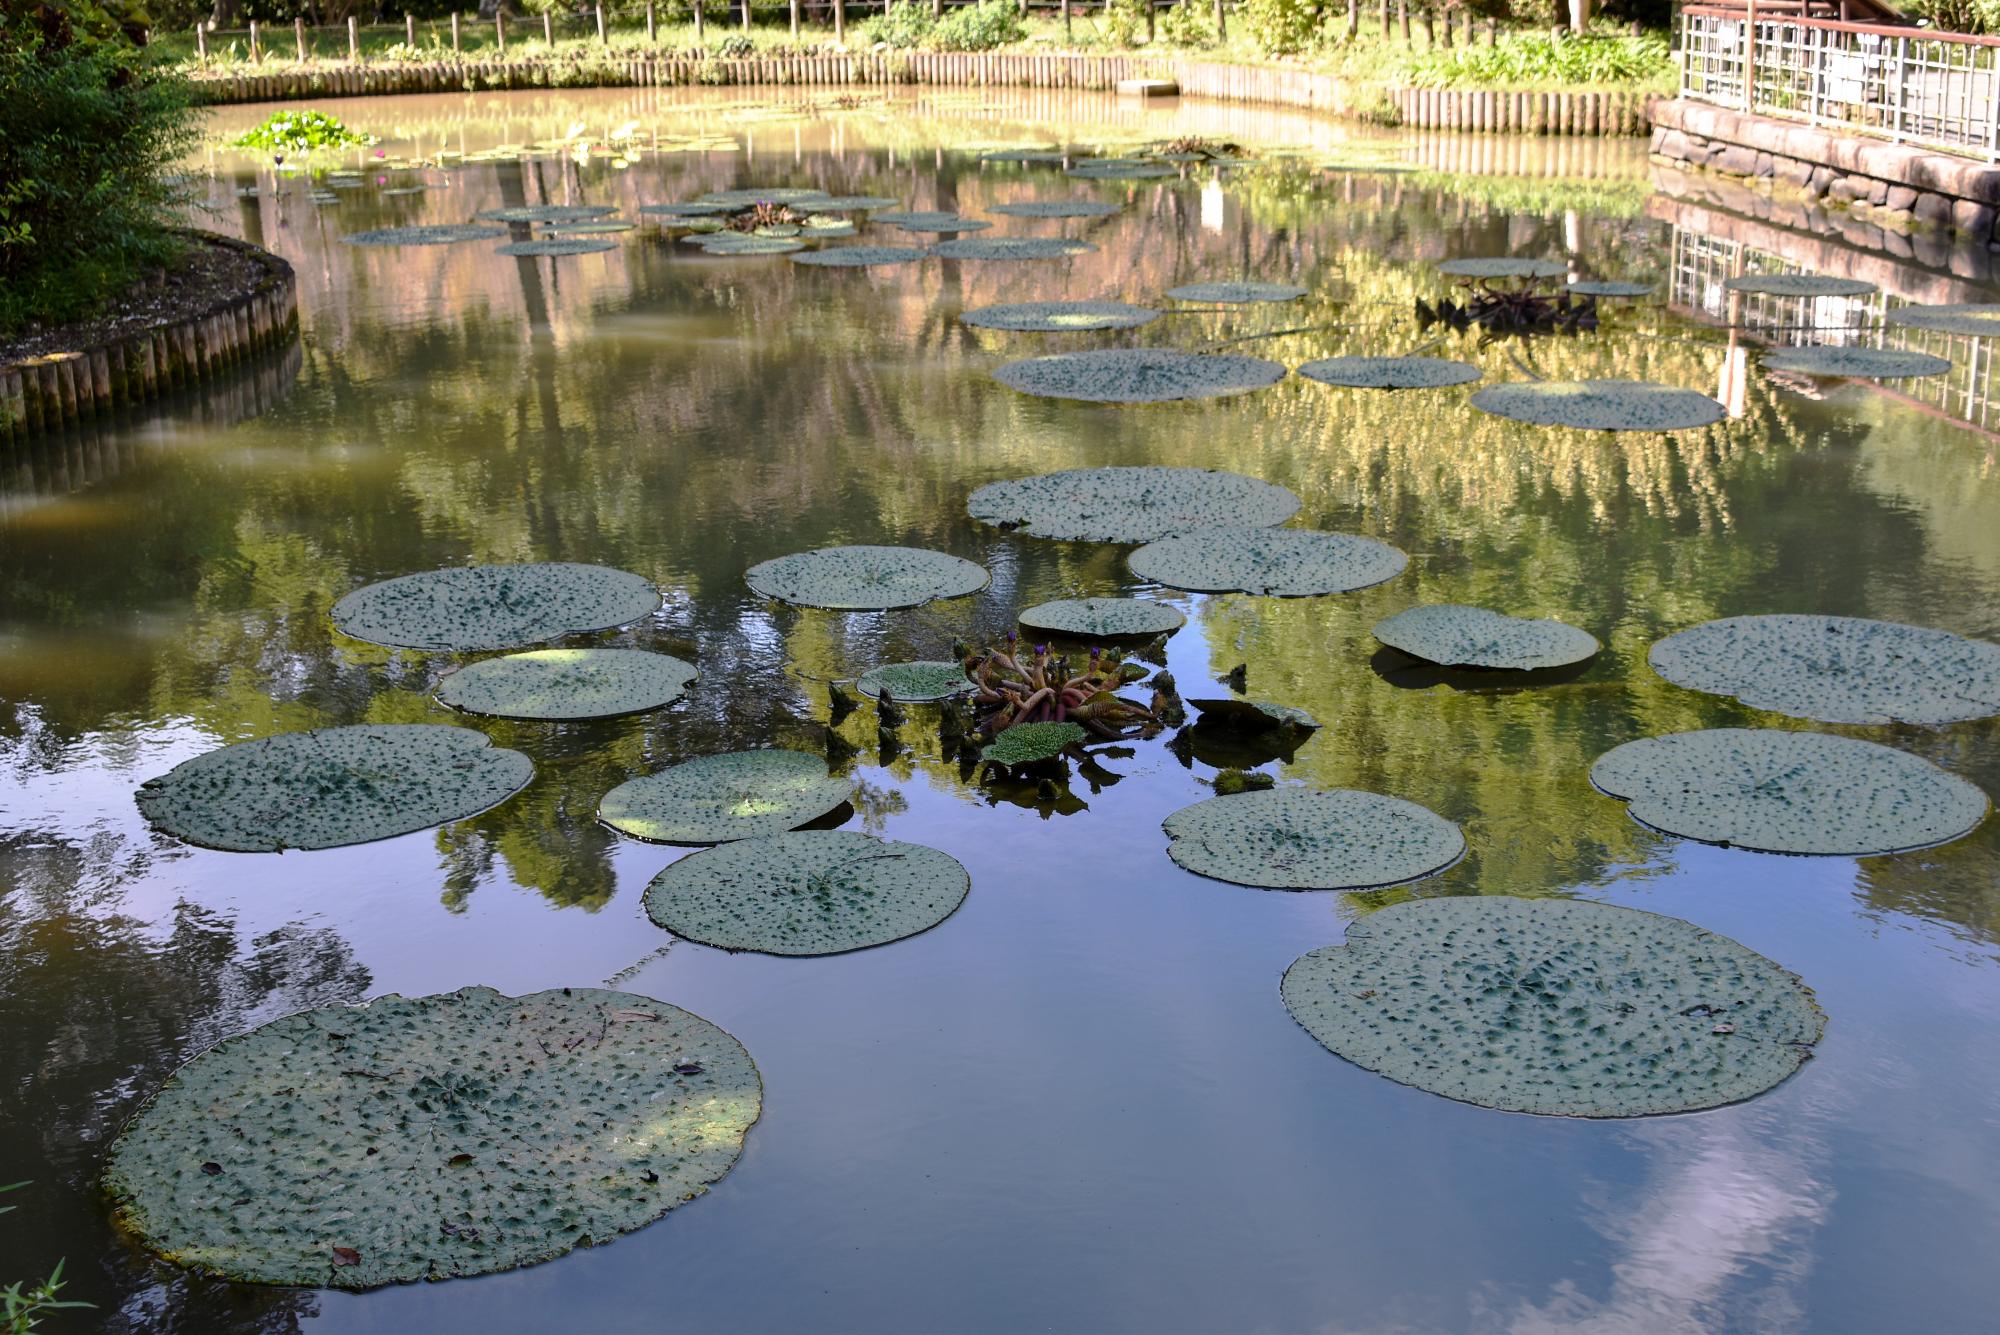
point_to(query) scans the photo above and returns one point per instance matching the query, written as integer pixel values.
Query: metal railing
(1936, 90)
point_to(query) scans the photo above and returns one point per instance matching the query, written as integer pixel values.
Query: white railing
(1910, 85)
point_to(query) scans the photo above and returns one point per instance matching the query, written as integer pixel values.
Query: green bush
(980, 27)
(1124, 22)
(1185, 24)
(734, 47)
(1973, 16)
(1536, 58)
(900, 25)
(1285, 27)
(93, 134)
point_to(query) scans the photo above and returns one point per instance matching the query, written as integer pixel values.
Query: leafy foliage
(301, 132)
(903, 26)
(1286, 27)
(1537, 58)
(1186, 25)
(22, 1304)
(980, 27)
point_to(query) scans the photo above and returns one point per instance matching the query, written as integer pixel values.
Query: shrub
(1284, 27)
(735, 47)
(1530, 58)
(1184, 24)
(900, 25)
(1125, 21)
(980, 27)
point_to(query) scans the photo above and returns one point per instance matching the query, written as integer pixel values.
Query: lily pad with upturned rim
(587, 229)
(556, 246)
(547, 213)
(1454, 635)
(1503, 266)
(739, 243)
(1032, 744)
(1117, 169)
(1312, 839)
(1391, 372)
(443, 234)
(567, 684)
(1012, 248)
(1130, 504)
(1056, 208)
(1966, 319)
(1595, 288)
(858, 257)
(1253, 715)
(699, 208)
(1138, 375)
(720, 798)
(866, 578)
(1283, 562)
(1103, 618)
(921, 220)
(493, 606)
(1799, 285)
(1856, 363)
(1600, 405)
(1236, 294)
(1059, 317)
(915, 683)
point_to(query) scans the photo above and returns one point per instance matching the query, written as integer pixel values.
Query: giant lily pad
(588, 229)
(1856, 363)
(1253, 715)
(821, 892)
(743, 243)
(849, 203)
(1031, 743)
(1057, 317)
(1236, 294)
(1118, 169)
(1837, 669)
(1391, 372)
(567, 684)
(921, 220)
(1312, 839)
(1789, 792)
(442, 234)
(1600, 405)
(1011, 248)
(432, 1137)
(866, 578)
(1286, 562)
(1130, 504)
(493, 607)
(1555, 1006)
(1595, 288)
(1138, 375)
(332, 786)
(1102, 618)
(857, 257)
(1503, 266)
(1799, 285)
(557, 246)
(916, 682)
(700, 208)
(1056, 208)
(1453, 635)
(714, 799)
(547, 213)
(806, 197)
(1969, 320)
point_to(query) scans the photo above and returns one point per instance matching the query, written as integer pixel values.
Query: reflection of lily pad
(1286, 562)
(1391, 372)
(1050, 317)
(1837, 669)
(1554, 1006)
(431, 1137)
(857, 257)
(1453, 635)
(1600, 405)
(1789, 792)
(1503, 266)
(443, 234)
(1594, 288)
(557, 245)
(567, 684)
(917, 682)
(1102, 618)
(1969, 320)
(1235, 294)
(1253, 715)
(1129, 504)
(715, 799)
(1056, 208)
(1138, 375)
(493, 607)
(1312, 839)
(821, 892)
(332, 787)
(1799, 285)
(1856, 363)
(866, 578)
(1031, 743)
(547, 213)
(1012, 248)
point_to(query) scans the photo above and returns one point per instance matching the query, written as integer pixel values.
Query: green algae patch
(1503, 266)
(855, 579)
(1799, 285)
(1132, 504)
(1103, 618)
(1138, 375)
(1836, 669)
(1056, 208)
(1253, 715)
(1312, 839)
(1012, 248)
(1966, 319)
(1561, 1007)
(1454, 635)
(424, 1138)
(556, 246)
(1236, 294)
(818, 892)
(1856, 363)
(1031, 744)
(1596, 288)
(1778, 791)
(1600, 405)
(915, 682)
(332, 786)
(1060, 317)
(547, 213)
(1283, 562)
(442, 234)
(1391, 372)
(494, 607)
(858, 257)
(567, 684)
(716, 799)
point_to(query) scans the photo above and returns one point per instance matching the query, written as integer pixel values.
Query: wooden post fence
(746, 18)
(500, 29)
(353, 38)
(652, 26)
(840, 21)
(255, 53)
(603, 36)
(454, 32)
(299, 38)
(795, 20)
(1221, 21)
(698, 6)
(410, 31)
(201, 42)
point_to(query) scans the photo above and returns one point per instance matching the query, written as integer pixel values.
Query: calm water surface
(1078, 1104)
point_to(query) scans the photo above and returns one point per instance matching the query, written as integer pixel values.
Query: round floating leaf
(1118, 169)
(1799, 285)
(855, 257)
(850, 203)
(820, 892)
(927, 220)
(715, 799)
(1130, 504)
(1837, 669)
(821, 226)
(1611, 289)
(917, 681)
(557, 245)
(700, 208)
(567, 684)
(1025, 155)
(1970, 320)
(1287, 562)
(1235, 294)
(1453, 635)
(1031, 743)
(1600, 405)
(547, 213)
(739, 243)
(1555, 1006)
(1052, 317)
(588, 229)
(1253, 715)
(1312, 839)
(1503, 266)
(432, 1137)
(1391, 372)
(806, 196)
(1789, 792)
(493, 607)
(439, 235)
(1012, 248)
(866, 578)
(1857, 363)
(1056, 208)
(333, 786)
(1103, 618)
(1138, 375)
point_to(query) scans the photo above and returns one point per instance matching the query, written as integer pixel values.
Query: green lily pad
(1285, 562)
(1789, 792)
(1968, 319)
(1594, 288)
(443, 234)
(557, 245)
(432, 1137)
(856, 257)
(700, 208)
(1031, 743)
(1453, 635)
(851, 203)
(1129, 504)
(1118, 169)
(493, 607)
(928, 220)
(332, 787)
(1025, 155)
(1799, 285)
(820, 892)
(1056, 317)
(1837, 669)
(806, 196)
(567, 684)
(1012, 248)
(1312, 839)
(866, 578)
(1235, 294)
(547, 213)
(1600, 405)
(716, 799)
(740, 243)
(915, 682)
(1555, 1006)
(1253, 715)
(1103, 618)
(819, 227)
(1503, 266)
(1056, 208)
(588, 229)
(1856, 363)
(1138, 375)
(1391, 372)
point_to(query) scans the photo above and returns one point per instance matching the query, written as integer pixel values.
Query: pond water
(1078, 1104)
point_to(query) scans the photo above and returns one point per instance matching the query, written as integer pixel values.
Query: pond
(1079, 1103)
